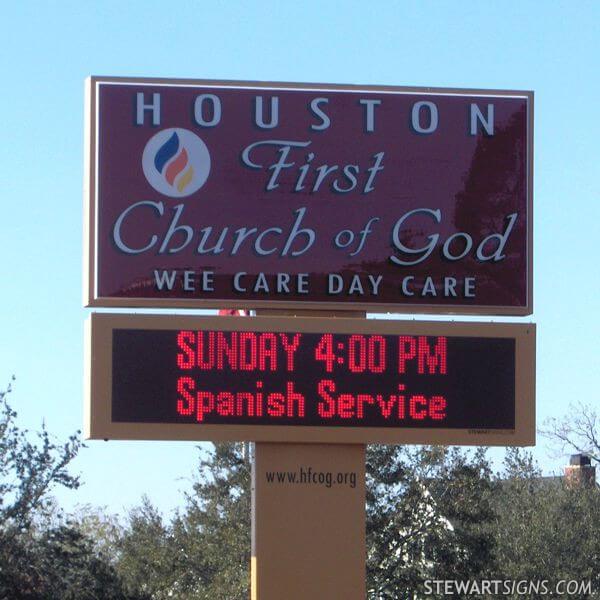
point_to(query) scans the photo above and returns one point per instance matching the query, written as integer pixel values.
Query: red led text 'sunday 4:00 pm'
(317, 379)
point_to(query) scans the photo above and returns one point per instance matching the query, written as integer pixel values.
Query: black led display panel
(301, 378)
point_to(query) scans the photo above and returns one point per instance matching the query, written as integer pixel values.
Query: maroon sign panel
(220, 194)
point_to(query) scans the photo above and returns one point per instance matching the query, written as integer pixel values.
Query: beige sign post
(308, 518)
(308, 522)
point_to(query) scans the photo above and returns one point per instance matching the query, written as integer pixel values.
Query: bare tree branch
(580, 431)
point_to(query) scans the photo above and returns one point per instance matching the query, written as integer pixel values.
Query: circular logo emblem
(176, 162)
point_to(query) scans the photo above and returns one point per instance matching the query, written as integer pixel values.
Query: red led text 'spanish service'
(248, 195)
(324, 380)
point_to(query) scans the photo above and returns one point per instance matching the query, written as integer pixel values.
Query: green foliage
(43, 556)
(546, 528)
(216, 523)
(148, 562)
(28, 471)
(204, 553)
(440, 513)
(54, 563)
(429, 516)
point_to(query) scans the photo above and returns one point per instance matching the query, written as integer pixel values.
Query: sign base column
(308, 522)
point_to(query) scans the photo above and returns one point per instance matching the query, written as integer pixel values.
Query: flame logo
(172, 162)
(176, 162)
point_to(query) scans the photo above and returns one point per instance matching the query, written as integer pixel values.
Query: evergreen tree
(546, 529)
(204, 553)
(43, 555)
(428, 517)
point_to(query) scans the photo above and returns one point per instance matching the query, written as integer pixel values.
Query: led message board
(252, 195)
(327, 380)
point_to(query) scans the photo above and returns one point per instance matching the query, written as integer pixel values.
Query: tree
(58, 563)
(217, 522)
(43, 555)
(204, 553)
(440, 513)
(29, 471)
(465, 487)
(546, 529)
(148, 560)
(428, 517)
(580, 431)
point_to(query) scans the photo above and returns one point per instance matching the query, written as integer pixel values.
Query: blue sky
(49, 48)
